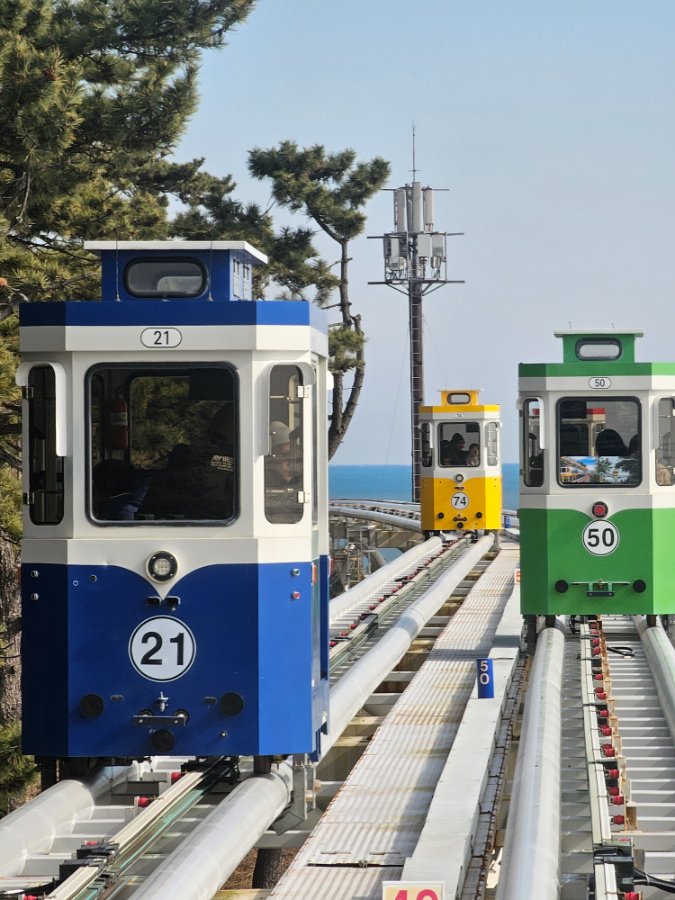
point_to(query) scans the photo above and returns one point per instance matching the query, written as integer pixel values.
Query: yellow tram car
(461, 475)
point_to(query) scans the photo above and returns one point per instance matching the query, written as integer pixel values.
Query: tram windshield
(184, 278)
(162, 444)
(599, 442)
(459, 444)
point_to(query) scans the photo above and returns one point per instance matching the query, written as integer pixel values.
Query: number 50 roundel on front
(162, 648)
(600, 538)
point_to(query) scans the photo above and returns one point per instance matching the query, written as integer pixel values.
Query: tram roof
(148, 246)
(595, 332)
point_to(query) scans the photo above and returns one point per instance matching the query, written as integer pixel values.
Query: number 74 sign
(413, 890)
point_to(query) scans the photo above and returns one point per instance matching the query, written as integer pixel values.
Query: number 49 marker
(413, 890)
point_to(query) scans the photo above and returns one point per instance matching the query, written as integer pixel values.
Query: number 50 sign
(413, 890)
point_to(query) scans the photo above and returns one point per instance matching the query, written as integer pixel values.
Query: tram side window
(163, 444)
(665, 452)
(598, 442)
(97, 413)
(284, 462)
(427, 452)
(459, 444)
(46, 468)
(533, 462)
(492, 443)
(315, 453)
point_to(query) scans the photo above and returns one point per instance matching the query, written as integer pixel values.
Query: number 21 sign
(413, 890)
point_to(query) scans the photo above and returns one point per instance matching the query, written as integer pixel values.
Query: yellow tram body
(461, 476)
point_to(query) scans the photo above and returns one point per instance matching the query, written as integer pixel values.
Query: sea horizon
(392, 482)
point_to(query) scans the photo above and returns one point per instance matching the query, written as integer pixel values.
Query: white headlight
(162, 566)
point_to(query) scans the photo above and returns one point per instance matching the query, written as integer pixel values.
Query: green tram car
(597, 483)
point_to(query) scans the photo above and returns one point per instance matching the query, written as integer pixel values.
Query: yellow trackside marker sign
(413, 890)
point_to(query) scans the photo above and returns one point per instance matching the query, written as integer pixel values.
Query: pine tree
(330, 189)
(95, 96)
(295, 270)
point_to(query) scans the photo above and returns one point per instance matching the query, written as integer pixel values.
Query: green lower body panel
(572, 564)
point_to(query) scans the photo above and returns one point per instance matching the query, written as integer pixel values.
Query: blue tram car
(175, 552)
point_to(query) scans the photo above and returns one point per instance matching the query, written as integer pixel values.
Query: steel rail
(56, 810)
(531, 852)
(344, 603)
(354, 688)
(32, 828)
(159, 816)
(377, 504)
(196, 869)
(354, 632)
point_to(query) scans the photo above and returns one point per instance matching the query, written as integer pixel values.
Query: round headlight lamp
(162, 566)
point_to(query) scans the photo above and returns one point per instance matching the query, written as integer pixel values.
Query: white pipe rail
(32, 828)
(660, 655)
(344, 603)
(354, 688)
(365, 501)
(213, 851)
(208, 857)
(402, 522)
(531, 854)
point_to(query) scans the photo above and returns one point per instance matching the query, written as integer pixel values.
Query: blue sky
(551, 125)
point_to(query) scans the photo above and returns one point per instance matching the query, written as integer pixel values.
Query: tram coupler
(304, 794)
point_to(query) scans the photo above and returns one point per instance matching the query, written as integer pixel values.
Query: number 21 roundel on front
(162, 648)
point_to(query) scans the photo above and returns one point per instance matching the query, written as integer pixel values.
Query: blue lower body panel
(240, 662)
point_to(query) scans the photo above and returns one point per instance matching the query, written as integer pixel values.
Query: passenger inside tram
(599, 443)
(456, 450)
(198, 481)
(473, 455)
(609, 443)
(117, 490)
(283, 477)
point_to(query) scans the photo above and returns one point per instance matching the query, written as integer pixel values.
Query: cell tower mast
(415, 263)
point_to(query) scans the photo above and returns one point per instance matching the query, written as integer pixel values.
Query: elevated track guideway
(568, 794)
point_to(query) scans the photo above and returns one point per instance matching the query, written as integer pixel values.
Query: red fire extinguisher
(118, 423)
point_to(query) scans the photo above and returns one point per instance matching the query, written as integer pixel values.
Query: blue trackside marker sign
(486, 682)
